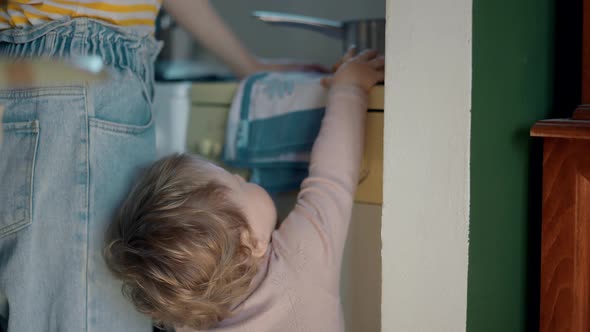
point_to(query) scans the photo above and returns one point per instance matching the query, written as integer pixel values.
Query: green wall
(512, 88)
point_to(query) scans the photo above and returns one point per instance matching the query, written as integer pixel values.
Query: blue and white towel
(272, 125)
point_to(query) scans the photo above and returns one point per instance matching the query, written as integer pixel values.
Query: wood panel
(577, 127)
(565, 248)
(565, 244)
(586, 54)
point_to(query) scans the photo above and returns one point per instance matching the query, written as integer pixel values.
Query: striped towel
(272, 125)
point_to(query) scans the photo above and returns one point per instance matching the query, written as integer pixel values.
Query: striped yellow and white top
(138, 14)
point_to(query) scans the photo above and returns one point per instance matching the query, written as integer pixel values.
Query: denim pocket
(17, 168)
(119, 128)
(121, 106)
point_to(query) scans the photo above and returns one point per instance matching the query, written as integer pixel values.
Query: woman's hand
(363, 70)
(201, 20)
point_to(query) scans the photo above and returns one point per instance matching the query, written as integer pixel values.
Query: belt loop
(79, 37)
(80, 25)
(50, 48)
(88, 91)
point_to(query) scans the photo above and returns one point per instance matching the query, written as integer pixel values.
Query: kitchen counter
(223, 92)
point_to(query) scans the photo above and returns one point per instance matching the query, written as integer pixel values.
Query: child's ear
(258, 247)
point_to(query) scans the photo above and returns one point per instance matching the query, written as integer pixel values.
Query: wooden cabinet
(565, 243)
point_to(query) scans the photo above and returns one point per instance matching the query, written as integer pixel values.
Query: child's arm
(318, 225)
(201, 20)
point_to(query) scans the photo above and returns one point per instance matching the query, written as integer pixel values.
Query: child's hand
(363, 70)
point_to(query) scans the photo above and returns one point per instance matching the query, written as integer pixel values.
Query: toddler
(196, 246)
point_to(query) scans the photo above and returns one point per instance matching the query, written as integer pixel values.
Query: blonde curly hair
(177, 245)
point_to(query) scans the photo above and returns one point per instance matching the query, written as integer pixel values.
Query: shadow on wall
(567, 58)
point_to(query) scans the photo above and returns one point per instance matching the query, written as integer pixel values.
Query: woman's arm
(201, 20)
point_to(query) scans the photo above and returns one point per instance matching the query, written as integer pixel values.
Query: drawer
(370, 188)
(222, 93)
(206, 133)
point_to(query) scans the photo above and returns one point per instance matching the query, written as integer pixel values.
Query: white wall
(426, 180)
(287, 42)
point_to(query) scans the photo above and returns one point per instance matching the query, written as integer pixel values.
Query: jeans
(69, 156)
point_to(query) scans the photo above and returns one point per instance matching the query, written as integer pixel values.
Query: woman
(70, 152)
